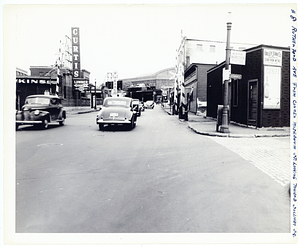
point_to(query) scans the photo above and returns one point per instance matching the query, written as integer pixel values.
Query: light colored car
(149, 104)
(40, 110)
(137, 106)
(117, 111)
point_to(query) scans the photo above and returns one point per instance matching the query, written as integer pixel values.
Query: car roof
(43, 96)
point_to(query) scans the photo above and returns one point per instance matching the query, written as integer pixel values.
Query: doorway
(252, 110)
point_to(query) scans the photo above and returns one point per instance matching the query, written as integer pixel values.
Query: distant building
(259, 91)
(149, 86)
(156, 80)
(21, 72)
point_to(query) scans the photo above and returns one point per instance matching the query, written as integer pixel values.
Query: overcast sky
(137, 39)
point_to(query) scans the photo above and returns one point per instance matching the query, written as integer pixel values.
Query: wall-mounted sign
(272, 87)
(81, 85)
(226, 74)
(35, 81)
(272, 57)
(238, 57)
(115, 79)
(235, 76)
(75, 52)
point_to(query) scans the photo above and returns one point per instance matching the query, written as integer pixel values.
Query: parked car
(149, 104)
(40, 110)
(137, 106)
(117, 111)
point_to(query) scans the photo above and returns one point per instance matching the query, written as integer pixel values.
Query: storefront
(195, 83)
(29, 85)
(259, 91)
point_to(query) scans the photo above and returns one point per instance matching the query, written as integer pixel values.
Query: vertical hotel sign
(75, 52)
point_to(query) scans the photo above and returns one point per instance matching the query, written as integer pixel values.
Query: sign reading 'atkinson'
(75, 52)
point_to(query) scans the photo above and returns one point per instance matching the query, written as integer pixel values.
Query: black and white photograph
(145, 123)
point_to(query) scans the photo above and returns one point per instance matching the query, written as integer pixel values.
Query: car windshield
(117, 102)
(38, 100)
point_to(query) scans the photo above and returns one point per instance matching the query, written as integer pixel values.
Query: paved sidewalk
(207, 126)
(79, 109)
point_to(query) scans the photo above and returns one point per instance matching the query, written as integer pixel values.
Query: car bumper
(101, 121)
(29, 122)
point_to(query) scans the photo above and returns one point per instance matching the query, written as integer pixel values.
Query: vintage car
(40, 110)
(117, 111)
(137, 106)
(149, 104)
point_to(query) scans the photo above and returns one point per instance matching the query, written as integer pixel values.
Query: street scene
(150, 120)
(160, 177)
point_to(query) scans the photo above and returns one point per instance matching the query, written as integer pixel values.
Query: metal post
(95, 96)
(92, 101)
(224, 128)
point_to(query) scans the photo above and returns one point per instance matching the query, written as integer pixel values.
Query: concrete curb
(230, 135)
(217, 134)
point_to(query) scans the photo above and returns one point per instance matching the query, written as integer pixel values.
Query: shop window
(212, 48)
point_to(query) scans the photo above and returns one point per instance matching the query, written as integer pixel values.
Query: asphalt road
(159, 177)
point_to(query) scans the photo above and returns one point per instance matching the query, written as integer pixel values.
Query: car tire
(45, 124)
(17, 126)
(62, 122)
(101, 127)
(132, 124)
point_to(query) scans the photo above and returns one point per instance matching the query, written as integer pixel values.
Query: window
(199, 47)
(187, 61)
(212, 48)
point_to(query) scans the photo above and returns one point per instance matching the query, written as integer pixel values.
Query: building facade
(260, 93)
(192, 52)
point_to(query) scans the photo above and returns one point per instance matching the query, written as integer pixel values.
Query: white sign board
(272, 87)
(272, 57)
(226, 74)
(238, 57)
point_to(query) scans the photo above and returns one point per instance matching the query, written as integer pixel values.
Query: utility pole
(224, 128)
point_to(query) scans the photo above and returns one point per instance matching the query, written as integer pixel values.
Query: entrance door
(252, 102)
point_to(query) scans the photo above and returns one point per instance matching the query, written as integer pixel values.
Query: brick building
(261, 97)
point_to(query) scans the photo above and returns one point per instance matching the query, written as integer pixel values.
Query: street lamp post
(224, 128)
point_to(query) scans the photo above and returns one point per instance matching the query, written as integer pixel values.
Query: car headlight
(36, 112)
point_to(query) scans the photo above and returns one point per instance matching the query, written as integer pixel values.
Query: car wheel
(62, 122)
(101, 127)
(17, 126)
(45, 124)
(132, 125)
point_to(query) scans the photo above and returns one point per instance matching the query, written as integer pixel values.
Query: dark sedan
(40, 110)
